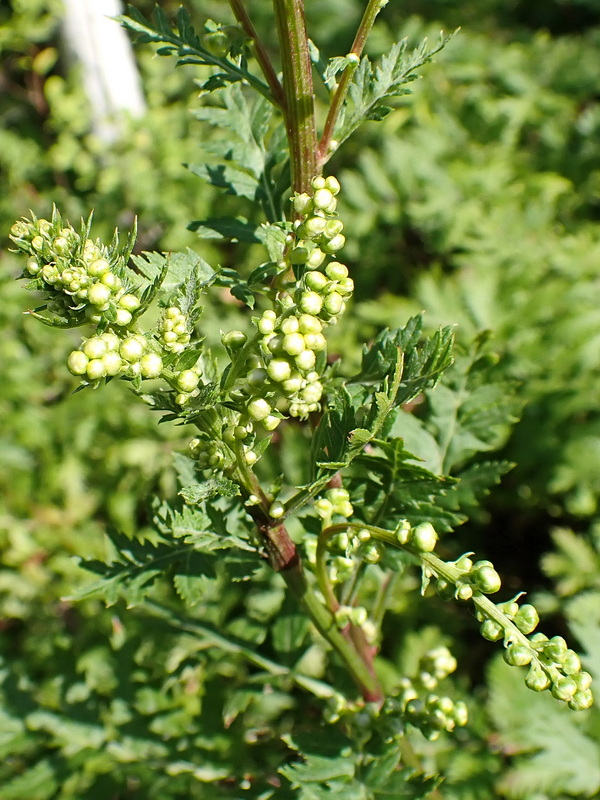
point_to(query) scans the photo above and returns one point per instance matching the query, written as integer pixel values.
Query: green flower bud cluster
(81, 278)
(108, 355)
(422, 537)
(284, 369)
(173, 333)
(552, 665)
(207, 453)
(187, 384)
(424, 709)
(480, 576)
(335, 501)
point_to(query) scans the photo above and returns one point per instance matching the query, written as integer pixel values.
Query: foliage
(224, 667)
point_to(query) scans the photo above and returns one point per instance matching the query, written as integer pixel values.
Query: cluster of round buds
(422, 537)
(107, 355)
(173, 333)
(76, 273)
(479, 576)
(552, 665)
(186, 384)
(285, 368)
(206, 453)
(244, 436)
(318, 235)
(335, 501)
(422, 708)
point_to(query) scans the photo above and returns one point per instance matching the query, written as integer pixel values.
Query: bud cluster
(286, 364)
(422, 537)
(424, 709)
(173, 333)
(82, 279)
(107, 355)
(552, 665)
(479, 576)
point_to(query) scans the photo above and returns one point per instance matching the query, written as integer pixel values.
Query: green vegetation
(229, 604)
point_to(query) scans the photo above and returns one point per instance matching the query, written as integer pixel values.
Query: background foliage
(477, 200)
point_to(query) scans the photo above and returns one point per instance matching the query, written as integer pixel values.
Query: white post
(100, 47)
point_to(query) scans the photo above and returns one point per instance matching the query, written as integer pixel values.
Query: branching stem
(262, 56)
(372, 10)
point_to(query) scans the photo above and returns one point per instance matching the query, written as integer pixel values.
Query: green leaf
(196, 493)
(552, 751)
(326, 755)
(39, 782)
(188, 47)
(234, 229)
(370, 88)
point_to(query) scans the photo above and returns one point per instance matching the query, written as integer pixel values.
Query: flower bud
(315, 281)
(77, 362)
(95, 369)
(336, 271)
(536, 679)
(517, 655)
(527, 618)
(491, 630)
(151, 365)
(310, 302)
(123, 317)
(271, 422)
(279, 370)
(129, 302)
(564, 689)
(98, 267)
(318, 182)
(302, 203)
(113, 363)
(581, 700)
(99, 294)
(315, 258)
(293, 344)
(571, 663)
(424, 537)
(188, 380)
(259, 409)
(132, 348)
(95, 347)
(485, 577)
(332, 184)
(322, 198)
(312, 227)
(333, 303)
(305, 360)
(234, 340)
(333, 245)
(277, 510)
(332, 228)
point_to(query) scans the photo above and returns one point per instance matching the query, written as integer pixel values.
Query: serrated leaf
(551, 750)
(371, 87)
(196, 493)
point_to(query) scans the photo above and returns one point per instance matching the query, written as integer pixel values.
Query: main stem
(299, 93)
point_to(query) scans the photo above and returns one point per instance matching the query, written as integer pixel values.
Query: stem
(260, 52)
(372, 10)
(299, 92)
(360, 668)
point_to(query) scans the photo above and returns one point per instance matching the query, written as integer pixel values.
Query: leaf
(325, 755)
(234, 229)
(39, 782)
(188, 47)
(424, 359)
(370, 88)
(473, 408)
(552, 751)
(196, 493)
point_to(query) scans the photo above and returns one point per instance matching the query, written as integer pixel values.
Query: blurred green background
(477, 200)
